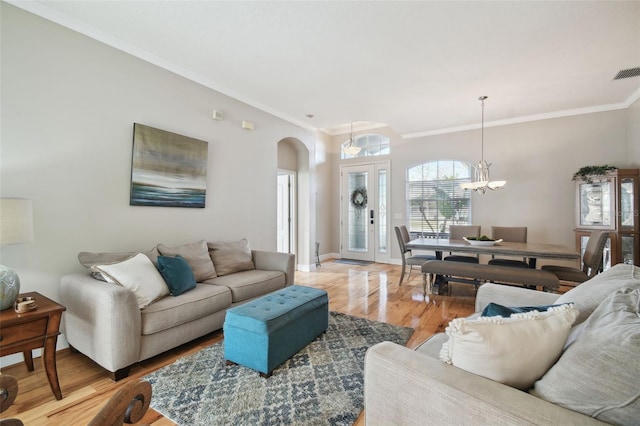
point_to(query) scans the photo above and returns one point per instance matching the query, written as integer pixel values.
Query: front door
(364, 219)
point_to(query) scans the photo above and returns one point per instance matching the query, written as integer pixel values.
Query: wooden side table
(32, 330)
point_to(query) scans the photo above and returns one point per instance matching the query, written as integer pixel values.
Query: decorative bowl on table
(480, 241)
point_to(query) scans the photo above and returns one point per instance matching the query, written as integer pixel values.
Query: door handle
(371, 216)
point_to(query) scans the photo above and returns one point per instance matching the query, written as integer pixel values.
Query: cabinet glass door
(627, 248)
(627, 198)
(595, 204)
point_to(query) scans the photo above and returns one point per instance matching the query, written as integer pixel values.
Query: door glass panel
(358, 219)
(382, 211)
(627, 215)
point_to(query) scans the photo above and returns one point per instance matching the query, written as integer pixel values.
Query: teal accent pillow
(177, 274)
(495, 310)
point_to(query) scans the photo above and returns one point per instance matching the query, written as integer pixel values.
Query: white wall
(68, 108)
(537, 159)
(326, 186)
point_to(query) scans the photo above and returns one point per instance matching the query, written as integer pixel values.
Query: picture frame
(167, 169)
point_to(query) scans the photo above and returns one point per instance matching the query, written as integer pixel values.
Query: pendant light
(481, 181)
(350, 149)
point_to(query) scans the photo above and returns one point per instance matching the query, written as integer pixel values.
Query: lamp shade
(16, 220)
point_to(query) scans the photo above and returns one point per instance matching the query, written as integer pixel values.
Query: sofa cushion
(249, 284)
(171, 312)
(139, 275)
(598, 374)
(588, 295)
(515, 351)
(231, 257)
(196, 255)
(177, 274)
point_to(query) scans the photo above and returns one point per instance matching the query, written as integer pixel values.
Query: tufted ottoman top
(270, 312)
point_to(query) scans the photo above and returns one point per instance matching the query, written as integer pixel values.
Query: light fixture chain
(482, 98)
(482, 180)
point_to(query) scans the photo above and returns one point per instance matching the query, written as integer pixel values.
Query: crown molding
(527, 118)
(345, 129)
(40, 9)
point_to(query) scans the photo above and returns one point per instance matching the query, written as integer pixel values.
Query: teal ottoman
(265, 332)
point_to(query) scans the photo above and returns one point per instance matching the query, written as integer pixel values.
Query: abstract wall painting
(167, 170)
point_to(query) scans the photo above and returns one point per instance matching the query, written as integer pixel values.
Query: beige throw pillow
(196, 255)
(588, 295)
(230, 257)
(599, 374)
(139, 275)
(515, 351)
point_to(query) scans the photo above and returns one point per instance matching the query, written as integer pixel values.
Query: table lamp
(16, 226)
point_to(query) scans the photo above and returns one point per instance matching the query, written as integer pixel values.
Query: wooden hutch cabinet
(610, 202)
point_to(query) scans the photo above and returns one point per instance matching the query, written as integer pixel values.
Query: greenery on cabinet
(585, 173)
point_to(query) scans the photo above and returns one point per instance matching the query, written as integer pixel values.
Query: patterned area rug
(323, 384)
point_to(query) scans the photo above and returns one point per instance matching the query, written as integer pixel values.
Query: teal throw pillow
(495, 310)
(177, 274)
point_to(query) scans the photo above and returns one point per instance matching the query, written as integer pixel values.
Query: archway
(293, 161)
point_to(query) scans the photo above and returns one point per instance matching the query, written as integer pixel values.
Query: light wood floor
(366, 291)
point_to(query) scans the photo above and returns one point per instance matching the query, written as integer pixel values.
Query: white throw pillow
(515, 351)
(139, 275)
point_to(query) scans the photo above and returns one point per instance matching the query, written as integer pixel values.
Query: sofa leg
(120, 374)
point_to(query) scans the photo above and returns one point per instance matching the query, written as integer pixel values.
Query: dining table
(531, 251)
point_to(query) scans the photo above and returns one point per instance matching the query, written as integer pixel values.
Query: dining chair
(128, 405)
(591, 261)
(513, 234)
(407, 257)
(457, 232)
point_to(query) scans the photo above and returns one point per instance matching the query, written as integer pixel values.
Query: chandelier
(481, 181)
(350, 149)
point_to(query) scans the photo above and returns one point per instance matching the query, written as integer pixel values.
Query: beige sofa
(105, 322)
(594, 381)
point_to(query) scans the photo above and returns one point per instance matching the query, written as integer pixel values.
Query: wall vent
(631, 72)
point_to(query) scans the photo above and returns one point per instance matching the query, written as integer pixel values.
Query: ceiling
(418, 67)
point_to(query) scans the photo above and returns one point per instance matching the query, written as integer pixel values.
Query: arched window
(370, 145)
(434, 197)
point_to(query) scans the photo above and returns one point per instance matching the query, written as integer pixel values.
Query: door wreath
(359, 198)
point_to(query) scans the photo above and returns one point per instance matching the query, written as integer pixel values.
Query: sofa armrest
(275, 261)
(405, 387)
(102, 320)
(511, 296)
